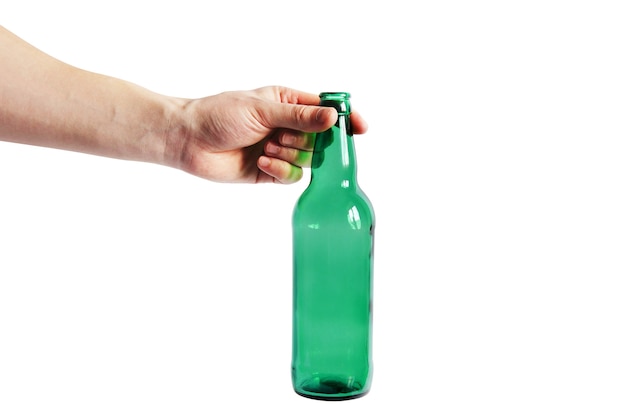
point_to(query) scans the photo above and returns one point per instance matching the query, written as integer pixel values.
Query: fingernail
(272, 148)
(264, 161)
(287, 140)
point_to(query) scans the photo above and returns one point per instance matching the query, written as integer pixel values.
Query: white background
(495, 160)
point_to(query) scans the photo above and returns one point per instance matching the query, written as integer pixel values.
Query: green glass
(333, 254)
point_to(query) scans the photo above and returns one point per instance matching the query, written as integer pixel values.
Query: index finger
(359, 125)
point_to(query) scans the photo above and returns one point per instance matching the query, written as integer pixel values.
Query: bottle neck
(334, 158)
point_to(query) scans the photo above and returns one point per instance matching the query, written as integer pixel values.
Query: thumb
(305, 118)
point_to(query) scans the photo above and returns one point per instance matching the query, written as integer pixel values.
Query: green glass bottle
(333, 254)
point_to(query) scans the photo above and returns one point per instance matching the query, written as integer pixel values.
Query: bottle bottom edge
(314, 396)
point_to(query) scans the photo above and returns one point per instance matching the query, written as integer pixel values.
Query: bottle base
(331, 398)
(330, 390)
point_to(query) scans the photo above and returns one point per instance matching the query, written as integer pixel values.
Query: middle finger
(298, 140)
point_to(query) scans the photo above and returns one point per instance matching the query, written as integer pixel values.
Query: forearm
(48, 103)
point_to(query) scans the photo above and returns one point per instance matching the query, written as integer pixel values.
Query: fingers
(289, 151)
(286, 154)
(279, 171)
(295, 117)
(293, 156)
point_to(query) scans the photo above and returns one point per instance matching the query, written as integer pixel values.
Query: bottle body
(333, 242)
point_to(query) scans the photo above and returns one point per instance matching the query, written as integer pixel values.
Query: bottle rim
(336, 95)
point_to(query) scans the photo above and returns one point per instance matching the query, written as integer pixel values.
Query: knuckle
(301, 115)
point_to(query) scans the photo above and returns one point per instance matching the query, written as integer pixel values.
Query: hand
(263, 135)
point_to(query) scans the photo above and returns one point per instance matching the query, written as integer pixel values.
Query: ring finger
(298, 157)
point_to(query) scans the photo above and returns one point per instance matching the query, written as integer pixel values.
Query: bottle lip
(335, 95)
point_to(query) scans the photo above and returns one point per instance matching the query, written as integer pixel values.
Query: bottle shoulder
(334, 195)
(336, 203)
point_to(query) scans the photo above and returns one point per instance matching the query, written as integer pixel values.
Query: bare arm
(49, 103)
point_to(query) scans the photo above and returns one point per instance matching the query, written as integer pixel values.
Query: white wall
(495, 161)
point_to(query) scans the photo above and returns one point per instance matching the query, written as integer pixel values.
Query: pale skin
(257, 136)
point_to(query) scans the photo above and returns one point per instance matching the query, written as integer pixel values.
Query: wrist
(171, 132)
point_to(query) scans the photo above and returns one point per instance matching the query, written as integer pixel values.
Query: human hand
(262, 135)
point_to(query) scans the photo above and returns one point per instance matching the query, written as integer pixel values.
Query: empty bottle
(333, 253)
